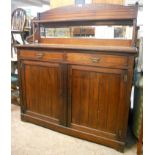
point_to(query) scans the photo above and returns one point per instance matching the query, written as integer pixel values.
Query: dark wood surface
(73, 91)
(99, 92)
(115, 49)
(86, 12)
(83, 41)
(101, 60)
(42, 80)
(80, 87)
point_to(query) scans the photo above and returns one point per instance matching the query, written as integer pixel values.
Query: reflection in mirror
(98, 32)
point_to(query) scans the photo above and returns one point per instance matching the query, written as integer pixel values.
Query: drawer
(98, 60)
(46, 56)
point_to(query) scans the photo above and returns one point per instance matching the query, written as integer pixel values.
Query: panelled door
(97, 100)
(43, 88)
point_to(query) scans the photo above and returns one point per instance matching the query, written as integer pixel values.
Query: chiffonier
(73, 79)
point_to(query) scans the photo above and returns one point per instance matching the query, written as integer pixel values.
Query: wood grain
(82, 41)
(86, 12)
(97, 60)
(41, 81)
(43, 55)
(98, 99)
(80, 87)
(83, 48)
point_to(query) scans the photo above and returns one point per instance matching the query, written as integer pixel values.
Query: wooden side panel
(42, 87)
(95, 98)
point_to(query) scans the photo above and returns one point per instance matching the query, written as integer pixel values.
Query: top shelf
(89, 12)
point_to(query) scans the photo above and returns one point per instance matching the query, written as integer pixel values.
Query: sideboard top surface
(130, 50)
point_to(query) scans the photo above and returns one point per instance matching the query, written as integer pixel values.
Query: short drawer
(98, 60)
(29, 54)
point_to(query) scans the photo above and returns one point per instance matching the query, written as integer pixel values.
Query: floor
(30, 139)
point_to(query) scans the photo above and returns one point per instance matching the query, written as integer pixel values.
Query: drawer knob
(39, 55)
(95, 60)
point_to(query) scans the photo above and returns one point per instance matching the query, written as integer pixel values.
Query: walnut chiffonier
(74, 81)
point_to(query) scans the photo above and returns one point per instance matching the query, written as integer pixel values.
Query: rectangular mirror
(97, 32)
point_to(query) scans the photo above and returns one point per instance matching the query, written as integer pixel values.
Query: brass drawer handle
(39, 55)
(95, 60)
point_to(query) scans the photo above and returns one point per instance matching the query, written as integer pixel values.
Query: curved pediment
(90, 12)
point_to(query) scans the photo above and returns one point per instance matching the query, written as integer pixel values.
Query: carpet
(30, 139)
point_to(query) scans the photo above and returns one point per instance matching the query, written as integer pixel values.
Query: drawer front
(46, 56)
(98, 60)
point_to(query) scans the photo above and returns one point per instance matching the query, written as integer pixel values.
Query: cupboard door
(42, 91)
(97, 100)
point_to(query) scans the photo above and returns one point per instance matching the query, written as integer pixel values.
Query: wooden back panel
(89, 12)
(80, 41)
(86, 15)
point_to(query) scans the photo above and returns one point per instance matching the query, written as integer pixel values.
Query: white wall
(33, 6)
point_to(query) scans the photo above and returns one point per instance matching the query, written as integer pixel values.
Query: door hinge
(125, 77)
